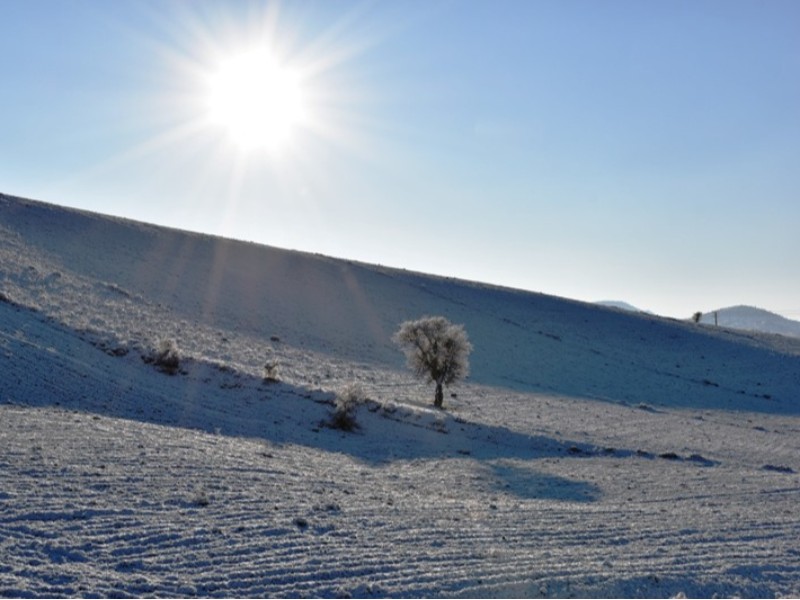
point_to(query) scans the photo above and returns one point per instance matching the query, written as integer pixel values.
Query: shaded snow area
(591, 453)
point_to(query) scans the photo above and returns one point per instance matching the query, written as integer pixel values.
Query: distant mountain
(753, 319)
(619, 304)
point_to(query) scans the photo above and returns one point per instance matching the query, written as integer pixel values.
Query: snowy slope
(145, 283)
(592, 452)
(751, 318)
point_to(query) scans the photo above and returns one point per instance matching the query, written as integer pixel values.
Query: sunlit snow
(591, 453)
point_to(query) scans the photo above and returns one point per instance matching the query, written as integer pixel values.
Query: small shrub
(347, 402)
(166, 357)
(271, 372)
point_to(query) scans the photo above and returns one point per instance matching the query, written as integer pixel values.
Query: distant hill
(753, 319)
(619, 304)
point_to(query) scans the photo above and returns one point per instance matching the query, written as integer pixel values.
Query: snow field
(592, 453)
(115, 507)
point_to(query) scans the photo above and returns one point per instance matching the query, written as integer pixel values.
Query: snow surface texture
(592, 452)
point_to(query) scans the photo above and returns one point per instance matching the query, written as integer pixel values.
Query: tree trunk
(439, 396)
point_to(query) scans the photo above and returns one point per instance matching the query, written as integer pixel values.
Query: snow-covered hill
(591, 453)
(750, 318)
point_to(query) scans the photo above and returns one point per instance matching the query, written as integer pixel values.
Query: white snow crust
(591, 453)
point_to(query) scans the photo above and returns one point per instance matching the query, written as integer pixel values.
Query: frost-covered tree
(437, 350)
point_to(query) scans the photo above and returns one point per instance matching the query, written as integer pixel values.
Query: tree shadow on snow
(525, 482)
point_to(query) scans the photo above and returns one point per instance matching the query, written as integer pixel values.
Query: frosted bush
(348, 399)
(271, 372)
(166, 356)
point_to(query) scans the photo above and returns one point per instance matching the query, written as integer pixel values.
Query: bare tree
(697, 316)
(437, 350)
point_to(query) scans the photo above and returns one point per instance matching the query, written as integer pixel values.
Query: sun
(255, 100)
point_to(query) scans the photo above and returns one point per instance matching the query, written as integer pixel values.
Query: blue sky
(596, 149)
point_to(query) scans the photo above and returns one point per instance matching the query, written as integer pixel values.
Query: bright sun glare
(255, 100)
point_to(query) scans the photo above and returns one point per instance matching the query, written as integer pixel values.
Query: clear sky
(594, 149)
